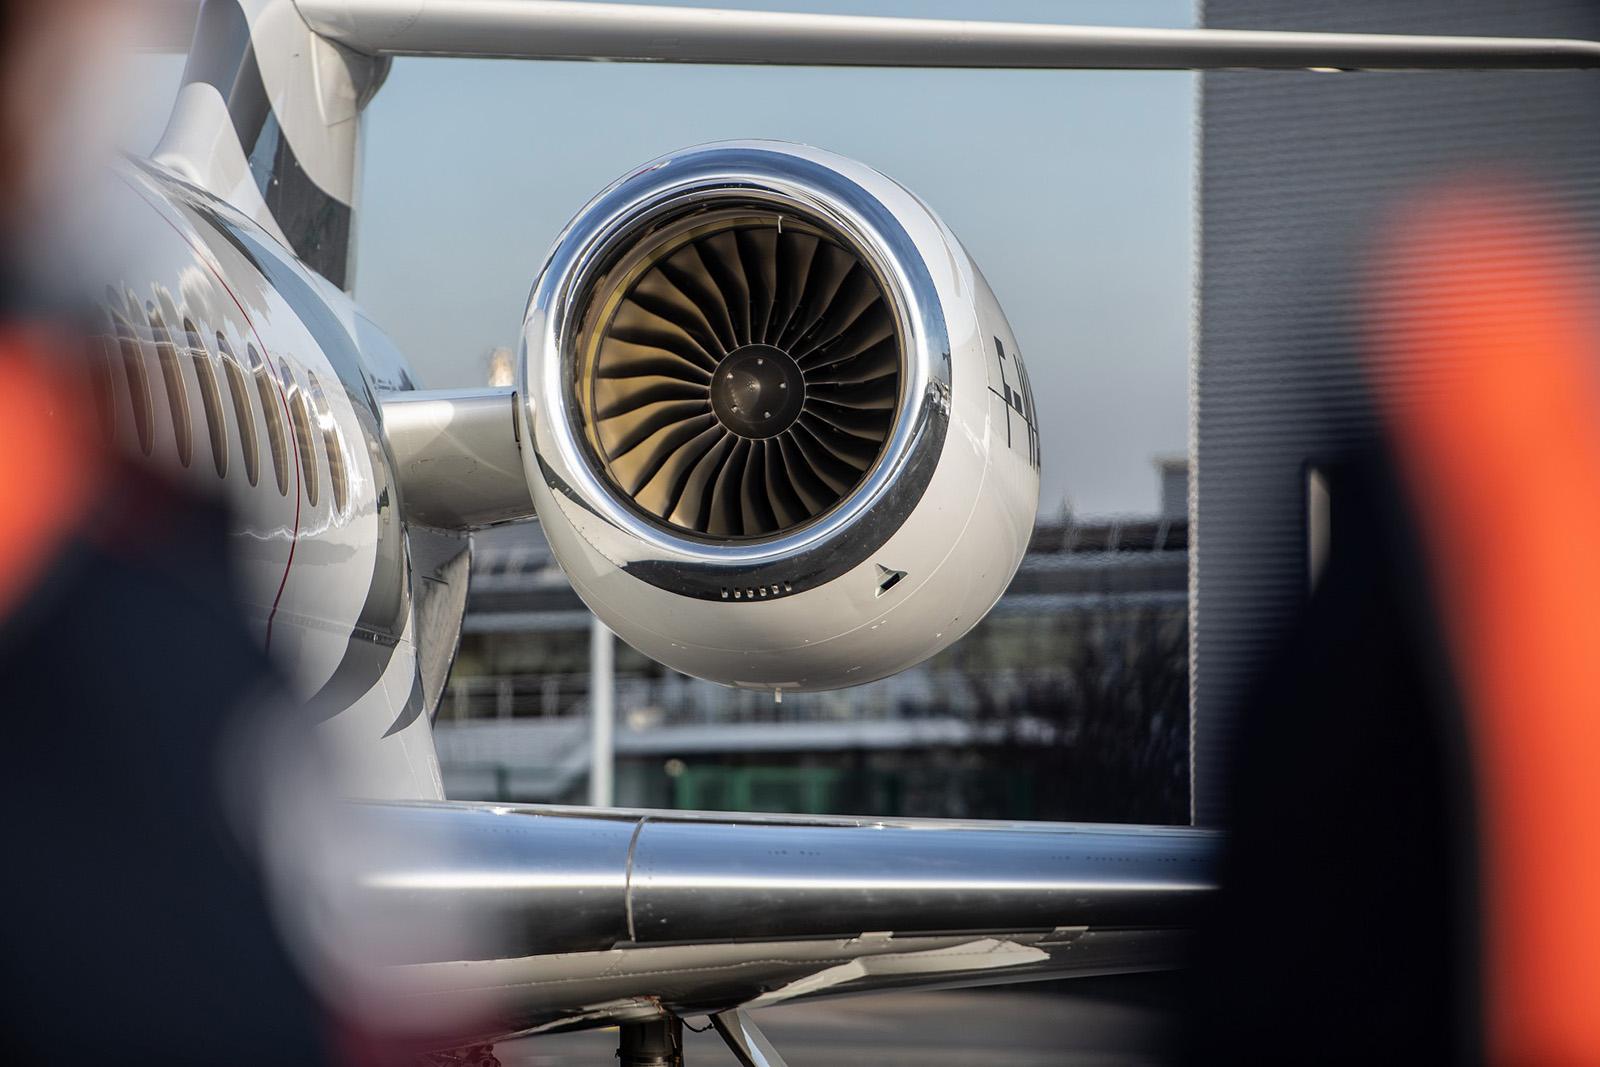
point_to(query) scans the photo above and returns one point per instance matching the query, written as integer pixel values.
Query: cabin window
(210, 398)
(272, 412)
(300, 417)
(177, 391)
(332, 444)
(243, 415)
(134, 370)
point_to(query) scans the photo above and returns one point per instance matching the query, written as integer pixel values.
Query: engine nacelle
(781, 434)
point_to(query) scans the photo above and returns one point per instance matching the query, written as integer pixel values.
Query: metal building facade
(1296, 172)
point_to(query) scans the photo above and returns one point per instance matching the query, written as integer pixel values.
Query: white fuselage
(246, 375)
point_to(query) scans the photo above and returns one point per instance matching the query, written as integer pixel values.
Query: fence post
(602, 714)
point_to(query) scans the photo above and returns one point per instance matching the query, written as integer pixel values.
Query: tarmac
(1101, 1022)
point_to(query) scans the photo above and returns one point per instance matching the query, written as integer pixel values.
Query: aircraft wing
(579, 916)
(556, 29)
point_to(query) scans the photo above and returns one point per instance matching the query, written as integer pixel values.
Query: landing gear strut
(659, 1042)
(652, 1043)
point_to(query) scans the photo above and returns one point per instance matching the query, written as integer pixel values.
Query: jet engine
(781, 434)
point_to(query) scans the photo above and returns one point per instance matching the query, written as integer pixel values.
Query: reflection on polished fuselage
(243, 374)
(706, 910)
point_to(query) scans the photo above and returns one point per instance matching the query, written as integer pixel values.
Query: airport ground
(1102, 1022)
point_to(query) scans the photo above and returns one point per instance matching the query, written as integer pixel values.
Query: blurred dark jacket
(133, 920)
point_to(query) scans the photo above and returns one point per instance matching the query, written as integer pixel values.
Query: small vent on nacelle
(741, 373)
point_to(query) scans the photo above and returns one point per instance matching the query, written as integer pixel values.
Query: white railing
(645, 702)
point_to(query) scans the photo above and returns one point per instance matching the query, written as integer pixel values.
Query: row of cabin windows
(309, 416)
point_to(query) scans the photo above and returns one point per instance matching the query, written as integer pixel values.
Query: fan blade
(754, 504)
(693, 507)
(881, 360)
(642, 326)
(638, 465)
(660, 495)
(787, 507)
(623, 433)
(829, 269)
(618, 396)
(878, 394)
(758, 255)
(834, 472)
(726, 518)
(625, 359)
(863, 424)
(688, 271)
(853, 302)
(851, 446)
(796, 251)
(872, 327)
(656, 294)
(812, 490)
(720, 252)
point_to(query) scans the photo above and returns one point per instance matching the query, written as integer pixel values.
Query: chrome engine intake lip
(677, 190)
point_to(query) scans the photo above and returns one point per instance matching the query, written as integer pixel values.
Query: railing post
(602, 715)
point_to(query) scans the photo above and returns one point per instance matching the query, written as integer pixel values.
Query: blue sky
(1072, 189)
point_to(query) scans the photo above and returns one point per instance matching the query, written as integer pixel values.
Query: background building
(1069, 701)
(1299, 174)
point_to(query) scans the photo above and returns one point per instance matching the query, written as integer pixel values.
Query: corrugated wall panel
(1296, 171)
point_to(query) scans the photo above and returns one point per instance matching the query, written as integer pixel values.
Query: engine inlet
(741, 373)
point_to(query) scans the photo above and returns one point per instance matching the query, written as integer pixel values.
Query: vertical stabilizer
(268, 118)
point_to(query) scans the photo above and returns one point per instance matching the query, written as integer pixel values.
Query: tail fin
(268, 119)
